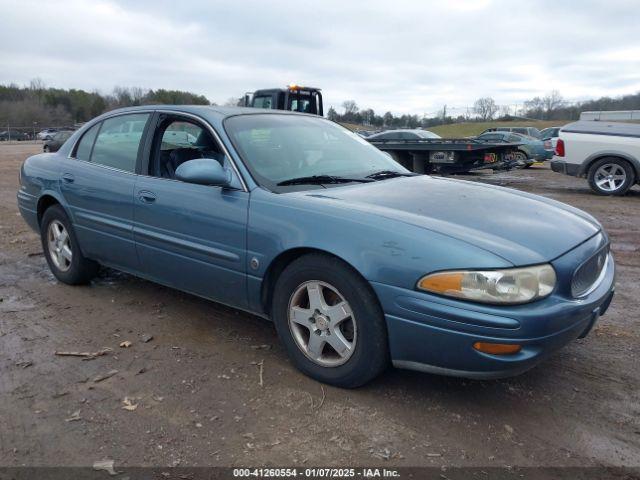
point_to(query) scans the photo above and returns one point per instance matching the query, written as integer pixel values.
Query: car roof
(207, 111)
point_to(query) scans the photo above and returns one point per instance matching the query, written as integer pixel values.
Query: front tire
(330, 322)
(61, 249)
(611, 176)
(46, 149)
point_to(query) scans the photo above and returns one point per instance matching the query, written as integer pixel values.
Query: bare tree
(350, 107)
(534, 108)
(552, 101)
(36, 84)
(234, 102)
(137, 95)
(486, 108)
(368, 115)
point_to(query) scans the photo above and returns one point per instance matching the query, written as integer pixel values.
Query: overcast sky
(402, 56)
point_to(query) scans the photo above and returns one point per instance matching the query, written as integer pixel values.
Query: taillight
(560, 148)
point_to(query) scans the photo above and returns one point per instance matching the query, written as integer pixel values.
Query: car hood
(522, 228)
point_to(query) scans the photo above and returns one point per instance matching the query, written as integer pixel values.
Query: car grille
(588, 274)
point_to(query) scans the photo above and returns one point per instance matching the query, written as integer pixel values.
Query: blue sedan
(358, 262)
(533, 148)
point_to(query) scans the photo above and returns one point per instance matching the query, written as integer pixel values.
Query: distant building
(612, 115)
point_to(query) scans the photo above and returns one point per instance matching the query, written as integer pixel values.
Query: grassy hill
(458, 130)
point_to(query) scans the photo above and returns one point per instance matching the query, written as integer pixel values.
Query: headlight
(509, 286)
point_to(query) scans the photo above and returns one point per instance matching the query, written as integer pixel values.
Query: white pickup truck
(607, 153)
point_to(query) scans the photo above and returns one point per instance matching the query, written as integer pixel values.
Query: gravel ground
(194, 392)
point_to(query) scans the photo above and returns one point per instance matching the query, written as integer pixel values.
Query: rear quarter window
(83, 150)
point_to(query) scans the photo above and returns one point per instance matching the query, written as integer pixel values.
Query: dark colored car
(55, 141)
(403, 134)
(359, 262)
(17, 135)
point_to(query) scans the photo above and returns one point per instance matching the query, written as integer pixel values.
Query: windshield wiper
(320, 179)
(389, 174)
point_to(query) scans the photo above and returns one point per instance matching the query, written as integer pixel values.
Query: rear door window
(118, 141)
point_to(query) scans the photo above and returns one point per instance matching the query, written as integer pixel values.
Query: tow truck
(442, 155)
(295, 98)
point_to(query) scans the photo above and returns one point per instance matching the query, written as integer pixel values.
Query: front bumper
(436, 334)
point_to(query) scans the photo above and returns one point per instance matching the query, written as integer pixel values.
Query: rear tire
(61, 249)
(522, 159)
(611, 176)
(46, 149)
(309, 327)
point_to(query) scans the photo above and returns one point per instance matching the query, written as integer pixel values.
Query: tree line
(39, 105)
(36, 104)
(552, 106)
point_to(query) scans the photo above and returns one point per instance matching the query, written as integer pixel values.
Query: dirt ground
(197, 386)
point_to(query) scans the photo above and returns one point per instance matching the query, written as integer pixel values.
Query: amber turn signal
(497, 348)
(442, 282)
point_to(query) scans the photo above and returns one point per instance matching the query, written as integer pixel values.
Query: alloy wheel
(610, 177)
(322, 323)
(59, 244)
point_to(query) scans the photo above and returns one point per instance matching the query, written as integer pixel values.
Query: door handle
(146, 196)
(68, 178)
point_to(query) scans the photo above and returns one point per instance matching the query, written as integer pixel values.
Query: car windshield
(277, 148)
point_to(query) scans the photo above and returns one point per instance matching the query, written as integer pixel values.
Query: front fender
(382, 250)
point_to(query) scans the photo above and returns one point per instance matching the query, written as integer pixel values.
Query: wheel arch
(284, 259)
(635, 164)
(45, 201)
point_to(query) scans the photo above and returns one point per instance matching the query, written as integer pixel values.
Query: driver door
(190, 237)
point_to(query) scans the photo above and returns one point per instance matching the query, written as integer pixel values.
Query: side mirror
(203, 171)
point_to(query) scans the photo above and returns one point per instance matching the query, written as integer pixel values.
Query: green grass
(468, 129)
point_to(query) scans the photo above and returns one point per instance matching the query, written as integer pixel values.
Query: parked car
(530, 131)
(606, 153)
(46, 133)
(366, 133)
(357, 261)
(54, 142)
(533, 148)
(403, 134)
(12, 134)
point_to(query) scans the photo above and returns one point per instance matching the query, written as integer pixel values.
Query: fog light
(497, 348)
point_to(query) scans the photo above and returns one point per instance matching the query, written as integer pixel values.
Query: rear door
(97, 182)
(188, 236)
